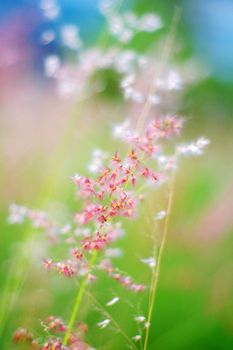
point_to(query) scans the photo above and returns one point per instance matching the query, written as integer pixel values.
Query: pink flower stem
(78, 300)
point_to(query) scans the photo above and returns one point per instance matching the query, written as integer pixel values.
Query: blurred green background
(44, 140)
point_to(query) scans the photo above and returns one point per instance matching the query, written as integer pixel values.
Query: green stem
(156, 271)
(78, 300)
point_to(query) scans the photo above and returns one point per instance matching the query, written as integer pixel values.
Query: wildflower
(121, 130)
(70, 37)
(54, 324)
(140, 319)
(47, 37)
(149, 261)
(195, 148)
(137, 337)
(104, 323)
(22, 335)
(50, 8)
(65, 268)
(150, 22)
(51, 65)
(65, 229)
(17, 214)
(48, 263)
(111, 193)
(77, 253)
(113, 301)
(96, 164)
(91, 277)
(161, 215)
(53, 344)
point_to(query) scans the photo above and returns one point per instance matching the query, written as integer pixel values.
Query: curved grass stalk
(78, 300)
(118, 327)
(156, 269)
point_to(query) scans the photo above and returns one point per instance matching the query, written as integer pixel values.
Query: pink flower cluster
(107, 196)
(111, 195)
(55, 326)
(125, 281)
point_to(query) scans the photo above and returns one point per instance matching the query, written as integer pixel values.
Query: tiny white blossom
(140, 319)
(65, 229)
(195, 148)
(121, 130)
(17, 214)
(137, 337)
(50, 8)
(166, 162)
(128, 80)
(126, 36)
(149, 261)
(47, 37)
(113, 301)
(160, 215)
(97, 160)
(154, 99)
(104, 323)
(106, 6)
(124, 61)
(116, 25)
(67, 87)
(150, 22)
(203, 141)
(70, 37)
(51, 65)
(173, 81)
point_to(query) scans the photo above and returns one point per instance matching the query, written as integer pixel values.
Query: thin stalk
(156, 270)
(116, 324)
(78, 300)
(166, 52)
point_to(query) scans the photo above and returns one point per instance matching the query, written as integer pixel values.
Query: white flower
(98, 157)
(149, 261)
(160, 215)
(50, 8)
(70, 36)
(113, 301)
(150, 22)
(51, 65)
(121, 130)
(203, 141)
(195, 148)
(17, 214)
(137, 337)
(173, 81)
(127, 80)
(47, 37)
(140, 319)
(104, 323)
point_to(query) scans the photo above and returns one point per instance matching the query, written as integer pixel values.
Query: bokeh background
(45, 139)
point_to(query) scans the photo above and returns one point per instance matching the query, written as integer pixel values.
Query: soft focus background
(45, 139)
